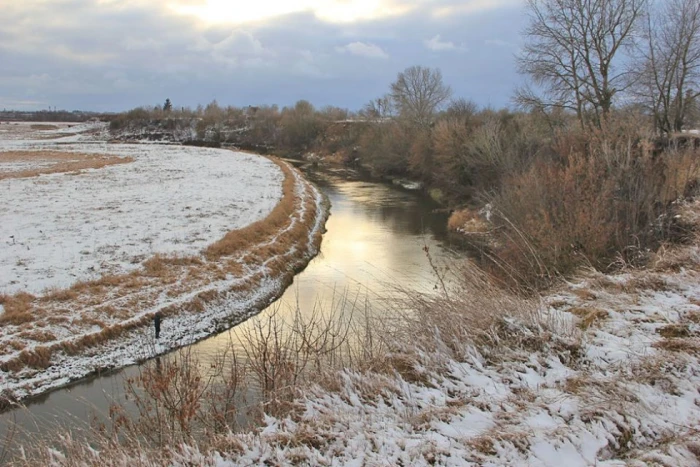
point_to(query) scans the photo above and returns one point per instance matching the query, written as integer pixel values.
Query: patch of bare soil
(44, 127)
(23, 164)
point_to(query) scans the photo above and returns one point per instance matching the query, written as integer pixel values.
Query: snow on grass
(65, 228)
(612, 393)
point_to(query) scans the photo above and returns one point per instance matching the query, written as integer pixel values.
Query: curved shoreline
(199, 313)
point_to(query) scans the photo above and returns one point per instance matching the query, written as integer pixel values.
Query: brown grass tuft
(674, 330)
(59, 295)
(589, 316)
(585, 294)
(39, 358)
(677, 345)
(56, 162)
(38, 335)
(17, 308)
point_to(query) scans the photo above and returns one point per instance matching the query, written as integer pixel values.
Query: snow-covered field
(56, 132)
(63, 230)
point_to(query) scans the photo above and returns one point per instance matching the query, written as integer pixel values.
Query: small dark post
(156, 323)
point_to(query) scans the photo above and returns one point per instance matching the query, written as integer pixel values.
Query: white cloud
(147, 44)
(363, 49)
(238, 49)
(473, 6)
(333, 11)
(436, 44)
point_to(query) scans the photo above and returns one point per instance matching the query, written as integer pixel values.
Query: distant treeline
(50, 116)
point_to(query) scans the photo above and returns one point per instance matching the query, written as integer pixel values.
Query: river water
(375, 240)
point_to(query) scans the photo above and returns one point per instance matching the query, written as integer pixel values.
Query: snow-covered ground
(27, 132)
(63, 228)
(610, 377)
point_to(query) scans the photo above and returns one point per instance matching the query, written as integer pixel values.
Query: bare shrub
(168, 393)
(282, 354)
(476, 153)
(607, 199)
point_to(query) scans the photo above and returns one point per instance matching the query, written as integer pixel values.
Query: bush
(607, 197)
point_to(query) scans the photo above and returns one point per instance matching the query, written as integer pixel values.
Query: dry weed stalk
(281, 355)
(472, 313)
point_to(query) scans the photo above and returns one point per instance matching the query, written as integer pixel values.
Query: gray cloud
(114, 55)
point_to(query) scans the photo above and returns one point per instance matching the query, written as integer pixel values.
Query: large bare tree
(669, 69)
(572, 54)
(418, 93)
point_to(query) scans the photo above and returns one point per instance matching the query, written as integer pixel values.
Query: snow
(623, 401)
(65, 228)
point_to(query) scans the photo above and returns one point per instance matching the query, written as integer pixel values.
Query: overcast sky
(113, 55)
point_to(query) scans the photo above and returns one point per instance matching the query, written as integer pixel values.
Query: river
(375, 239)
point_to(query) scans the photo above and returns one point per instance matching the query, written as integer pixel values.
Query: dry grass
(38, 335)
(474, 313)
(56, 162)
(585, 294)
(674, 331)
(38, 358)
(678, 345)
(18, 308)
(59, 295)
(43, 127)
(589, 316)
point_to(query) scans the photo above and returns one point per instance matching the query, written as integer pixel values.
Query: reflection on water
(375, 240)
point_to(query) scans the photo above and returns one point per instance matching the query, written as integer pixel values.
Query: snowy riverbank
(90, 257)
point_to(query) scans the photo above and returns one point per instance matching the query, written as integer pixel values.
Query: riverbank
(604, 370)
(65, 332)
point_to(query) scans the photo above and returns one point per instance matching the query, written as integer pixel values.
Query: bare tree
(379, 109)
(418, 93)
(669, 69)
(572, 52)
